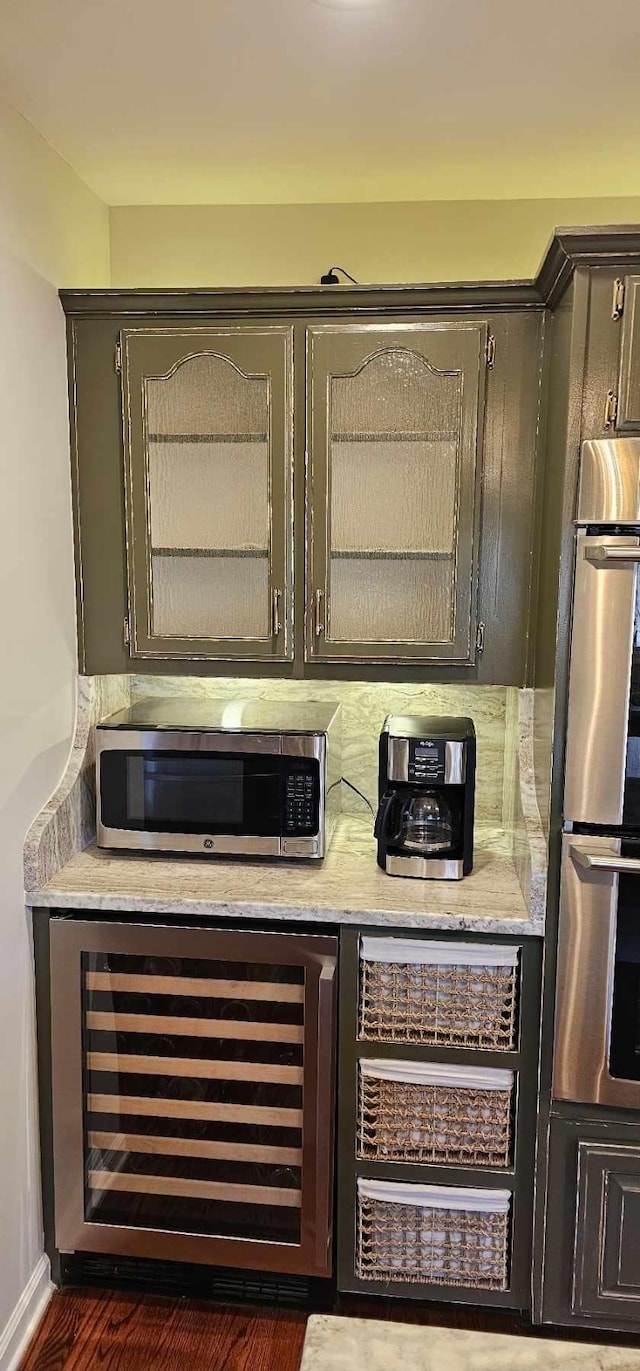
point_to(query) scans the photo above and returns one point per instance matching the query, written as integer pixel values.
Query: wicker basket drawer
(433, 1235)
(445, 994)
(433, 1112)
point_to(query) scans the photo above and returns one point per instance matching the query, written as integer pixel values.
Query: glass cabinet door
(208, 485)
(394, 433)
(192, 1079)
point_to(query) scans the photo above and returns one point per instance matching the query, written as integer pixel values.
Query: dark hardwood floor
(115, 1331)
(107, 1330)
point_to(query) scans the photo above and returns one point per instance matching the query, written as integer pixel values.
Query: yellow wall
(254, 245)
(47, 215)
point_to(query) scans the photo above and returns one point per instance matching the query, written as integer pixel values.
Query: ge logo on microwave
(208, 843)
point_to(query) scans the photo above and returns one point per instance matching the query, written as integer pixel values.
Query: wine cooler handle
(604, 861)
(324, 1113)
(606, 555)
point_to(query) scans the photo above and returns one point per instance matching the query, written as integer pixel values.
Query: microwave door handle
(603, 861)
(604, 554)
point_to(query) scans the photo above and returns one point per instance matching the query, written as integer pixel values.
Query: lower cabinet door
(193, 1094)
(607, 1248)
(592, 1266)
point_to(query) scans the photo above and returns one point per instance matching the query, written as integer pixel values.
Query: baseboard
(17, 1333)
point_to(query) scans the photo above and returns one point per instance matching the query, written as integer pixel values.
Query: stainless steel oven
(597, 1035)
(597, 1043)
(219, 777)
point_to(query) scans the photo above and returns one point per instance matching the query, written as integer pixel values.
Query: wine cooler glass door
(193, 1094)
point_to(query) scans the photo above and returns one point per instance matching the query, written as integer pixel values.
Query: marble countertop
(347, 887)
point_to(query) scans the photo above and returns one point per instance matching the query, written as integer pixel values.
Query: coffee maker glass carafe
(428, 824)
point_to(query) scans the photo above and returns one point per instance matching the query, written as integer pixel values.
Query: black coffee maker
(426, 787)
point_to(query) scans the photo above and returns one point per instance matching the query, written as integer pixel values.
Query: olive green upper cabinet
(628, 416)
(394, 434)
(208, 477)
(305, 484)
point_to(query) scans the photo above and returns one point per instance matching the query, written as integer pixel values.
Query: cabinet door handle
(275, 613)
(324, 1112)
(605, 861)
(319, 617)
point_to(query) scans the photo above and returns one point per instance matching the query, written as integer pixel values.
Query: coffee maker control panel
(426, 761)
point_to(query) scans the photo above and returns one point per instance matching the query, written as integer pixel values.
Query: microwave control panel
(301, 798)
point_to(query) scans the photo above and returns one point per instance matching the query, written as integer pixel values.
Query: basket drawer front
(431, 1245)
(454, 1001)
(423, 1121)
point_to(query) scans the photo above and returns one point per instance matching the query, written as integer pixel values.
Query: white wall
(53, 231)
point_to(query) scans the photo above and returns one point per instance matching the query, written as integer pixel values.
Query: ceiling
(283, 101)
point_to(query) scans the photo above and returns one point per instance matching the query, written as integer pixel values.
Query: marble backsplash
(521, 808)
(543, 726)
(67, 823)
(364, 708)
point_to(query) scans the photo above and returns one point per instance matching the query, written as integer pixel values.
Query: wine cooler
(193, 1094)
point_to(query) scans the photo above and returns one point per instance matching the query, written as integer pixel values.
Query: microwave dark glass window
(185, 792)
(631, 811)
(193, 1095)
(624, 1058)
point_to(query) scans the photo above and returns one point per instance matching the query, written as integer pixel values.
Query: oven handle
(601, 861)
(606, 554)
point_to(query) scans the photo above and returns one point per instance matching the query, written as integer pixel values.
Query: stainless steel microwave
(215, 777)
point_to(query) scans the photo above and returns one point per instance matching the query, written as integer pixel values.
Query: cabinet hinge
(610, 409)
(117, 358)
(490, 351)
(480, 638)
(125, 630)
(617, 304)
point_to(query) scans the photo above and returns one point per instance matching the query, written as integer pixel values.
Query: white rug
(337, 1344)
